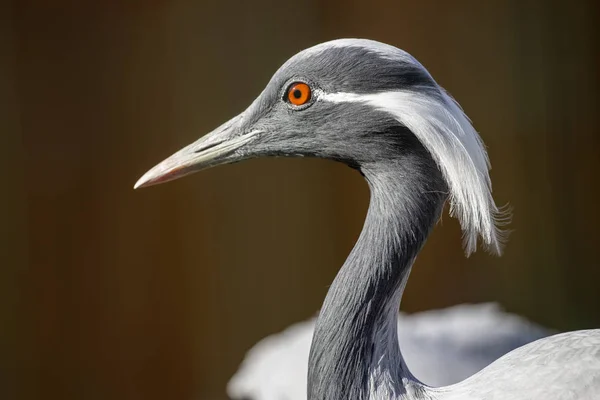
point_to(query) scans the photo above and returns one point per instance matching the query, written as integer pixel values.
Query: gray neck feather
(355, 352)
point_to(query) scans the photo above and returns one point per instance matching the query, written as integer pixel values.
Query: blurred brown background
(110, 293)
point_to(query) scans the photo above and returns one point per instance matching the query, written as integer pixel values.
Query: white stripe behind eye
(443, 128)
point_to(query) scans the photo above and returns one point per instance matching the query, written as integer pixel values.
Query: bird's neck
(355, 352)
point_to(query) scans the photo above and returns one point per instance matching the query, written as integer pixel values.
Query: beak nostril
(208, 146)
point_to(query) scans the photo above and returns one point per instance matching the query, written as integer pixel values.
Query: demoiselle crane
(440, 347)
(377, 109)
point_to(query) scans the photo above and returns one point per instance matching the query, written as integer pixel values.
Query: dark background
(110, 293)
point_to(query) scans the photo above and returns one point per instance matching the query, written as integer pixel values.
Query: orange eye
(298, 93)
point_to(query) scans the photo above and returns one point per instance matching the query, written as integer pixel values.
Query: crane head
(363, 103)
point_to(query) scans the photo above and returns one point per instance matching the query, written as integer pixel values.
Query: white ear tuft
(444, 129)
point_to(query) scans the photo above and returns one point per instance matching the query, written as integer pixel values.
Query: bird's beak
(220, 146)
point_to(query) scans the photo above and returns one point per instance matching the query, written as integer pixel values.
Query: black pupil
(297, 93)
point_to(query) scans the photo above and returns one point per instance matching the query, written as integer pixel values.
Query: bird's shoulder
(560, 367)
